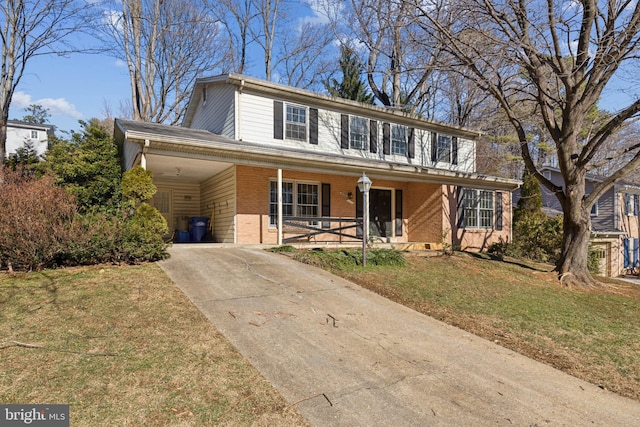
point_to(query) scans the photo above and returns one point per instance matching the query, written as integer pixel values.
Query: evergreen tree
(88, 167)
(530, 203)
(351, 87)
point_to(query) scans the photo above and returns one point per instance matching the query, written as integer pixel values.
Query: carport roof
(202, 144)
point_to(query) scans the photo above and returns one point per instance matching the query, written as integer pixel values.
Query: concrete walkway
(345, 356)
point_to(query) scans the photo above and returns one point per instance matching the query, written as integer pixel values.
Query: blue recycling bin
(199, 226)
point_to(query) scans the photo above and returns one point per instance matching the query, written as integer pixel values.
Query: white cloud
(57, 106)
(120, 63)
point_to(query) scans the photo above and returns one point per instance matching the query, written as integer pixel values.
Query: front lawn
(123, 346)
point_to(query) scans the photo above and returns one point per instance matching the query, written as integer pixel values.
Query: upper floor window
(34, 134)
(443, 148)
(594, 209)
(477, 209)
(296, 123)
(358, 133)
(399, 140)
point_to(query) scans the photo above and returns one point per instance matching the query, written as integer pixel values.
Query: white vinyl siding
(219, 116)
(256, 121)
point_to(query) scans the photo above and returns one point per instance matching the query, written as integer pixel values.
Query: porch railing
(311, 227)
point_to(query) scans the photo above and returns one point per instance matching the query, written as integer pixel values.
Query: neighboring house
(615, 223)
(241, 136)
(18, 133)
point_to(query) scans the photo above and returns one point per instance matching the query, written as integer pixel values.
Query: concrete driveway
(345, 356)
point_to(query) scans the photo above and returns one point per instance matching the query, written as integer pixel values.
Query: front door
(380, 222)
(380, 216)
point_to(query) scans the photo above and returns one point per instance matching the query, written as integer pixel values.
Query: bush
(349, 258)
(37, 221)
(142, 235)
(97, 239)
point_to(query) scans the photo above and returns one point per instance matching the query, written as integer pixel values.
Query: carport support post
(279, 207)
(364, 185)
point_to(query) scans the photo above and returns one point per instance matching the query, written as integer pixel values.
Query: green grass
(123, 346)
(593, 334)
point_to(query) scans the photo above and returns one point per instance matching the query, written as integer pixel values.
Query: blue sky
(73, 88)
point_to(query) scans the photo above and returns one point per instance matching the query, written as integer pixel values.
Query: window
(477, 209)
(399, 140)
(444, 148)
(594, 209)
(296, 123)
(298, 199)
(358, 133)
(34, 134)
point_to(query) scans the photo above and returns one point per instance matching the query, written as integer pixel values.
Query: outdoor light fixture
(364, 185)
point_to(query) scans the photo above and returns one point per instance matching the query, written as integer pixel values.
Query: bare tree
(561, 57)
(238, 16)
(397, 68)
(302, 56)
(166, 45)
(32, 28)
(270, 16)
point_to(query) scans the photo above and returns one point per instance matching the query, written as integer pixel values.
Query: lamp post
(364, 185)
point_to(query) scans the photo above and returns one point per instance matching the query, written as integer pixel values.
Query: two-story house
(615, 223)
(19, 133)
(242, 138)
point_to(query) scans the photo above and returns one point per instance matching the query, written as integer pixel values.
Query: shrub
(350, 258)
(97, 238)
(142, 235)
(137, 186)
(37, 221)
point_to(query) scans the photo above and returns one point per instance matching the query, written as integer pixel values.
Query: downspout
(143, 157)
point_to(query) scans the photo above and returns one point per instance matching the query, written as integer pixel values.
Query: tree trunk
(3, 139)
(572, 265)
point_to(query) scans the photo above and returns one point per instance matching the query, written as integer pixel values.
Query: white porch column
(279, 207)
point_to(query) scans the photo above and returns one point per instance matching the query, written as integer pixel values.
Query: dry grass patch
(123, 346)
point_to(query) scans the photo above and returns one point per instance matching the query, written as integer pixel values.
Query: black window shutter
(344, 131)
(277, 120)
(373, 136)
(498, 210)
(359, 210)
(398, 212)
(313, 126)
(411, 152)
(461, 207)
(454, 150)
(434, 147)
(326, 204)
(386, 138)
